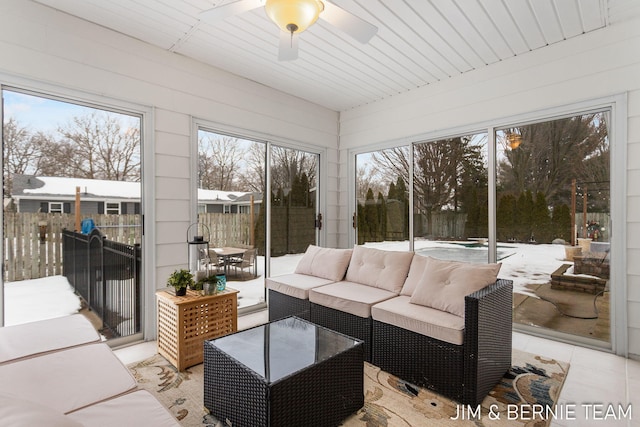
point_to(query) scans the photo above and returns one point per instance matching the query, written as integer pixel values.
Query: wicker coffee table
(285, 373)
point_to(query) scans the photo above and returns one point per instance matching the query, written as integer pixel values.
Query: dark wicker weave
(322, 395)
(281, 306)
(345, 323)
(465, 373)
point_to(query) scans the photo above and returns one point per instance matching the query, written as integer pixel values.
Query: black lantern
(198, 250)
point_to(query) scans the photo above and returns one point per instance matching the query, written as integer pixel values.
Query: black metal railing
(106, 274)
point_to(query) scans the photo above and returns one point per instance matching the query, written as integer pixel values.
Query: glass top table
(279, 349)
(283, 373)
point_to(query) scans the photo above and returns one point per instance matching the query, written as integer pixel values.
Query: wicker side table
(184, 323)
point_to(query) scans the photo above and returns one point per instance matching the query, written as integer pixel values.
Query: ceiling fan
(295, 16)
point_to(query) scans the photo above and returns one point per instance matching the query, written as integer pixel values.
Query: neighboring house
(57, 194)
(215, 201)
(50, 194)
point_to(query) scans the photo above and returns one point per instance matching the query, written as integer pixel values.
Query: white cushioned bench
(69, 381)
(43, 336)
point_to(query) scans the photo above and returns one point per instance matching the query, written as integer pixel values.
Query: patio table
(290, 372)
(227, 254)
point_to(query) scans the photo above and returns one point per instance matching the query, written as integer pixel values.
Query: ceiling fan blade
(356, 27)
(288, 50)
(226, 10)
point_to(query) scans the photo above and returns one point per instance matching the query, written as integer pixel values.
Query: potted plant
(208, 284)
(180, 279)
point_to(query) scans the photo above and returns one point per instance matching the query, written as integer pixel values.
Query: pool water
(469, 253)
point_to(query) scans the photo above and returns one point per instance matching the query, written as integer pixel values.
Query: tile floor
(607, 382)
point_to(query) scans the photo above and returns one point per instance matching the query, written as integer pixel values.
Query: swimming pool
(469, 253)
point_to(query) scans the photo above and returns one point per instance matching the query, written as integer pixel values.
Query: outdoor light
(294, 16)
(198, 250)
(514, 140)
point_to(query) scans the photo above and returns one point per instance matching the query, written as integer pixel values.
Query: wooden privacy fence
(228, 229)
(33, 241)
(30, 254)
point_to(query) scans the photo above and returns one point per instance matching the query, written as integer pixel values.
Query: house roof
(53, 187)
(38, 187)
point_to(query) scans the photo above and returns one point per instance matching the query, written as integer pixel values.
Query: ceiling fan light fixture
(514, 140)
(294, 16)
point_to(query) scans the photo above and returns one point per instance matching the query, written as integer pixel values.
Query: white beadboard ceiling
(419, 42)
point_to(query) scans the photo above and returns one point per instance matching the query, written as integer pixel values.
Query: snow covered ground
(50, 297)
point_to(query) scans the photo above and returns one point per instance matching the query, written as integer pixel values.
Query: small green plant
(181, 279)
(212, 280)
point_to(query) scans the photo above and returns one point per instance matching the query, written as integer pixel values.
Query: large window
(553, 212)
(64, 162)
(239, 182)
(544, 213)
(382, 198)
(231, 188)
(450, 198)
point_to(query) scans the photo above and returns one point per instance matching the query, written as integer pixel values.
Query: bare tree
(219, 158)
(253, 176)
(553, 153)
(367, 177)
(103, 147)
(287, 164)
(20, 152)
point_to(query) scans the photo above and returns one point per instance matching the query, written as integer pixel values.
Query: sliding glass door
(543, 212)
(73, 212)
(243, 185)
(295, 220)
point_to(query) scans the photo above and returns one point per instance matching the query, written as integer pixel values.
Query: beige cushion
(327, 263)
(353, 298)
(30, 339)
(381, 269)
(18, 412)
(139, 408)
(416, 270)
(444, 284)
(68, 380)
(296, 285)
(438, 324)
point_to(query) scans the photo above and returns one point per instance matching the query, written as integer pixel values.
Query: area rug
(532, 382)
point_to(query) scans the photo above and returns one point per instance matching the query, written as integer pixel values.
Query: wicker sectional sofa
(57, 373)
(443, 325)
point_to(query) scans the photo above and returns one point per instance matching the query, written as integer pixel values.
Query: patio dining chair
(215, 263)
(248, 261)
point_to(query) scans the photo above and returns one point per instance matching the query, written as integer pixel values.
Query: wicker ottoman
(285, 373)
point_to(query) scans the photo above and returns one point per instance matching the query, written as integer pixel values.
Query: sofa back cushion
(381, 269)
(416, 270)
(327, 263)
(444, 284)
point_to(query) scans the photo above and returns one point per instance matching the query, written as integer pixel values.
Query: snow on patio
(49, 297)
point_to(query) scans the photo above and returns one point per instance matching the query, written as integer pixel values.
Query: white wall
(46, 50)
(599, 64)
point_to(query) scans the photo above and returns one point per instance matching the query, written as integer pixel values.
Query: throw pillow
(327, 263)
(444, 284)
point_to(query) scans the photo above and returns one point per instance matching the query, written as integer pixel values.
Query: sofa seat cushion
(68, 380)
(438, 324)
(139, 408)
(296, 285)
(327, 263)
(34, 338)
(353, 298)
(444, 284)
(17, 412)
(377, 268)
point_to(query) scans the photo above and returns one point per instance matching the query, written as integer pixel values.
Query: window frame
(616, 104)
